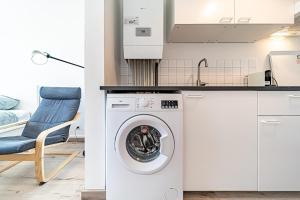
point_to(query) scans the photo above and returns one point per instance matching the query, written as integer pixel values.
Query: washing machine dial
(144, 103)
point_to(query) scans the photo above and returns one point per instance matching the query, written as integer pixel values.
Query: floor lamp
(41, 58)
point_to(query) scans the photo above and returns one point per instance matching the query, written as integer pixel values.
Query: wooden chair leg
(39, 167)
(7, 167)
(40, 171)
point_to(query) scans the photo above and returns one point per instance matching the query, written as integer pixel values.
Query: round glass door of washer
(145, 144)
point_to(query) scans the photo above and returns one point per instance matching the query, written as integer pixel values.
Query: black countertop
(165, 89)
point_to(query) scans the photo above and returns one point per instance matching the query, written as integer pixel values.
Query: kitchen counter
(165, 89)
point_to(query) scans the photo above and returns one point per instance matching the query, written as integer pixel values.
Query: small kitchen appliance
(285, 66)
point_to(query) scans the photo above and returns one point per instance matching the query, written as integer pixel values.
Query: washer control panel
(166, 104)
(145, 103)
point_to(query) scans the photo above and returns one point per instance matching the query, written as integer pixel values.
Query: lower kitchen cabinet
(220, 141)
(279, 153)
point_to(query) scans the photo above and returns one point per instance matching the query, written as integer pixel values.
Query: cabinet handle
(270, 122)
(295, 96)
(244, 20)
(225, 20)
(195, 96)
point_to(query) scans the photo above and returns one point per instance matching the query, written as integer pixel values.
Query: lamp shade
(39, 57)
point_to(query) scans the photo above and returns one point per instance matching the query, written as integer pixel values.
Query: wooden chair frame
(37, 155)
(13, 126)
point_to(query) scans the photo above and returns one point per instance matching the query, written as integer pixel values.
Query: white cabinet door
(264, 11)
(220, 141)
(279, 148)
(204, 11)
(279, 103)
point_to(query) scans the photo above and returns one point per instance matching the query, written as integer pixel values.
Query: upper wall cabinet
(204, 11)
(227, 20)
(264, 11)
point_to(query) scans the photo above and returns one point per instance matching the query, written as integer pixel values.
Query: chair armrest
(12, 126)
(40, 142)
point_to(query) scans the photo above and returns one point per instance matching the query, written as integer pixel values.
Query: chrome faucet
(199, 82)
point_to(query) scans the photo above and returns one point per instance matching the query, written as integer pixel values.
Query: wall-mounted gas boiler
(143, 29)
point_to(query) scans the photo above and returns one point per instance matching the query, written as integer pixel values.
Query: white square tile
(228, 71)
(164, 71)
(244, 63)
(188, 63)
(164, 63)
(172, 71)
(251, 63)
(212, 84)
(236, 63)
(204, 71)
(195, 70)
(180, 63)
(172, 63)
(236, 71)
(188, 71)
(172, 79)
(244, 71)
(220, 79)
(220, 71)
(180, 71)
(252, 70)
(228, 63)
(212, 79)
(228, 80)
(195, 77)
(212, 71)
(205, 79)
(237, 80)
(220, 63)
(180, 80)
(164, 80)
(188, 80)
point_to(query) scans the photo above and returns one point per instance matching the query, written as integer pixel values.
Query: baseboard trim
(93, 195)
(74, 139)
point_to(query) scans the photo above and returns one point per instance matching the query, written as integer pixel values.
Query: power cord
(75, 133)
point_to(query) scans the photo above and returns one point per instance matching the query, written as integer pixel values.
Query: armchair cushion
(17, 144)
(58, 106)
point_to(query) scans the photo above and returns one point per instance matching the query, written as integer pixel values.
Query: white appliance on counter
(144, 147)
(143, 29)
(285, 67)
(256, 79)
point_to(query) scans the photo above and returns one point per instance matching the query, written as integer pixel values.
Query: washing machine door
(144, 144)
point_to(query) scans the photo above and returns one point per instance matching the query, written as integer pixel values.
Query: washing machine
(144, 147)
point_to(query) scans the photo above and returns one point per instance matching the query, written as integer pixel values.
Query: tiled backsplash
(225, 72)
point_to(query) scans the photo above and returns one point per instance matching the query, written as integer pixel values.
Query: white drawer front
(279, 103)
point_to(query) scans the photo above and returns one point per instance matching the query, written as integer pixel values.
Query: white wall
(113, 34)
(55, 26)
(95, 99)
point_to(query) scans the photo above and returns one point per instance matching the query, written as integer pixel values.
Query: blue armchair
(48, 126)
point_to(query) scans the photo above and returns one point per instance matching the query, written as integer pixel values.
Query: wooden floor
(19, 183)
